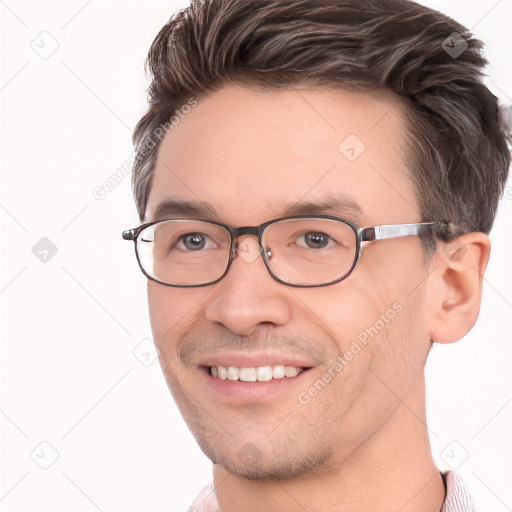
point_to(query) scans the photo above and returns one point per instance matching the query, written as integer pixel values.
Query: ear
(455, 286)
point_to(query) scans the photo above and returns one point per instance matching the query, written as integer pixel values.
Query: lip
(239, 392)
(241, 359)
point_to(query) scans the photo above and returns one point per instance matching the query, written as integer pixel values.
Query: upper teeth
(254, 373)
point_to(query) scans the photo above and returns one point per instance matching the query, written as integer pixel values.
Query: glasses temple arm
(397, 230)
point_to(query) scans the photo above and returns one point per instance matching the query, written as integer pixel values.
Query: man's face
(253, 156)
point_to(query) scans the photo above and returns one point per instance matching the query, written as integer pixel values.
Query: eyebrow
(340, 204)
(172, 208)
(336, 205)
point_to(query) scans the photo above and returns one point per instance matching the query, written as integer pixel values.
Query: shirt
(457, 497)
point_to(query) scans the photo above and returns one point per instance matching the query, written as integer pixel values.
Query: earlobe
(456, 286)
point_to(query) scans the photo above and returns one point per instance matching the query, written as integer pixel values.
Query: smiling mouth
(254, 373)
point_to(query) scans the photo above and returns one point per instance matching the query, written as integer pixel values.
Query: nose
(248, 297)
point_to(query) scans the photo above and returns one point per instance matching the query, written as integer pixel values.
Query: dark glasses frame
(368, 234)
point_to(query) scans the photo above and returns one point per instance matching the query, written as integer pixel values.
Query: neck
(392, 470)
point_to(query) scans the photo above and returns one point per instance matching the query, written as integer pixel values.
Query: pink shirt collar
(457, 498)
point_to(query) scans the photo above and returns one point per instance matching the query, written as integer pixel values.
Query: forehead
(250, 153)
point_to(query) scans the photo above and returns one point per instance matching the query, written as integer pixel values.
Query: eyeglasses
(302, 251)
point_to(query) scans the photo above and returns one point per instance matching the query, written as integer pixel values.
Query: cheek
(171, 310)
(377, 313)
(353, 308)
(387, 279)
(171, 314)
(160, 310)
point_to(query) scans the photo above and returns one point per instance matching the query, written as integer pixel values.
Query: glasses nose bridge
(245, 230)
(247, 254)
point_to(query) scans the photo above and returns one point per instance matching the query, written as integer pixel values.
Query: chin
(272, 463)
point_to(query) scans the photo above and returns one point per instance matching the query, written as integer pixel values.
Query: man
(316, 180)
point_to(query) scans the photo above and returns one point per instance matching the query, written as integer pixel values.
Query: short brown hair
(459, 157)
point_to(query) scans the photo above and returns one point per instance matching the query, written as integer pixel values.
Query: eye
(315, 240)
(195, 242)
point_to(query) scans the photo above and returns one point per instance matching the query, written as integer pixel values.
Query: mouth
(239, 385)
(236, 377)
(254, 373)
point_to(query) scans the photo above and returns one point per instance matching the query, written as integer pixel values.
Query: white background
(70, 326)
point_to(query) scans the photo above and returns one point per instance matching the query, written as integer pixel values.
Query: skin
(361, 443)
